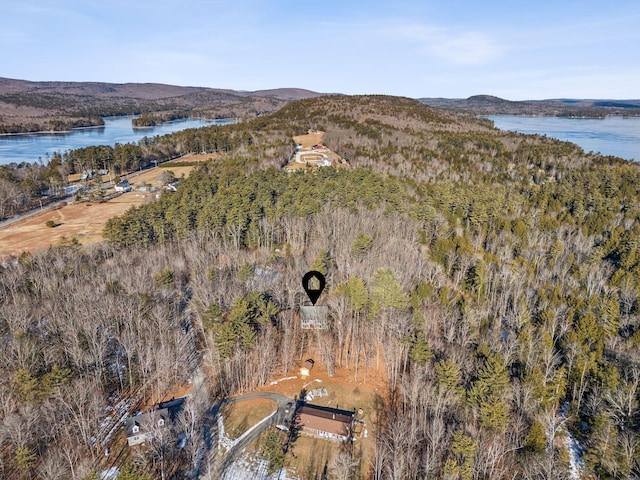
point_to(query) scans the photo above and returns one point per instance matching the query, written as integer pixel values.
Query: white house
(123, 186)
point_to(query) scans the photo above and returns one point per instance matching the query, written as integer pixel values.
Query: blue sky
(454, 48)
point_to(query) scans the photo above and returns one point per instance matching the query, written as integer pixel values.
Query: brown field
(195, 157)
(83, 221)
(308, 456)
(310, 139)
(150, 176)
(308, 157)
(240, 416)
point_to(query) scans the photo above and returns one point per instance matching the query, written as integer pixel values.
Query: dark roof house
(141, 427)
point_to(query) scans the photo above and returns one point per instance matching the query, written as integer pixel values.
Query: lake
(613, 135)
(30, 148)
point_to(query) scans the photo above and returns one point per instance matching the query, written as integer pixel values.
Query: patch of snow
(117, 414)
(275, 382)
(223, 441)
(111, 474)
(575, 457)
(573, 447)
(254, 468)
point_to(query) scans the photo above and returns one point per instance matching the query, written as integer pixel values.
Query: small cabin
(314, 317)
(306, 367)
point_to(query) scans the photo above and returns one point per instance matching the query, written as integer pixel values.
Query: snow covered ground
(250, 467)
(573, 447)
(111, 474)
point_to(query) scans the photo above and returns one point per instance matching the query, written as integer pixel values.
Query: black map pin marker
(313, 292)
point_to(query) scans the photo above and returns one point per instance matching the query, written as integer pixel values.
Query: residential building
(325, 422)
(141, 428)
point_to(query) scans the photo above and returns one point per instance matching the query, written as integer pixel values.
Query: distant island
(152, 120)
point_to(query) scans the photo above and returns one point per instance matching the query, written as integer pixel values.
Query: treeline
(492, 278)
(243, 208)
(52, 125)
(22, 185)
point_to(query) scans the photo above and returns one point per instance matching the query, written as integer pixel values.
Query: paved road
(30, 213)
(280, 416)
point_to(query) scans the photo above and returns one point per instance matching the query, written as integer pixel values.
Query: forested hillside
(491, 277)
(573, 108)
(58, 106)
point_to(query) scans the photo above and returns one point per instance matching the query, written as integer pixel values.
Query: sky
(416, 48)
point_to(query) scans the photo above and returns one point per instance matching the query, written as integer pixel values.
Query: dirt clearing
(310, 455)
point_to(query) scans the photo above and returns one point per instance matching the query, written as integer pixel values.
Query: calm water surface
(31, 148)
(612, 135)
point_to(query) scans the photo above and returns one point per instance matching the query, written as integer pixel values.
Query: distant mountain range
(27, 106)
(36, 106)
(138, 91)
(490, 105)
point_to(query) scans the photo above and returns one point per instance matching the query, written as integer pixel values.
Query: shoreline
(49, 132)
(67, 132)
(568, 117)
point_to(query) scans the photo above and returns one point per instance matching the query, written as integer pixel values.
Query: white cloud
(452, 45)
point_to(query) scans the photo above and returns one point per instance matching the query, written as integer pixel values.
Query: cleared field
(310, 139)
(309, 456)
(239, 417)
(83, 221)
(151, 176)
(195, 157)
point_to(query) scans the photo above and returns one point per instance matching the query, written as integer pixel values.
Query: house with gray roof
(141, 428)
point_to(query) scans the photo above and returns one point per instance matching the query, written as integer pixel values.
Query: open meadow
(84, 221)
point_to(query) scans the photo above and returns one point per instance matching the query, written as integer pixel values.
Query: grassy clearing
(309, 456)
(240, 417)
